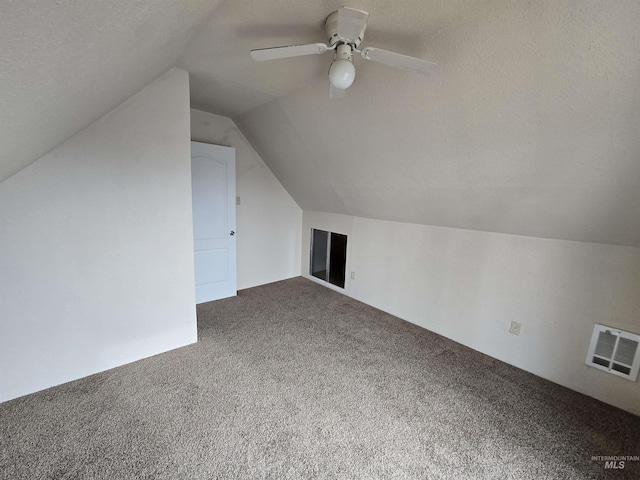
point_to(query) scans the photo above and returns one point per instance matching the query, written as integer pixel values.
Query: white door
(213, 185)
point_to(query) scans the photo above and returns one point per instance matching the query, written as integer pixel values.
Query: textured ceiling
(225, 80)
(66, 63)
(530, 125)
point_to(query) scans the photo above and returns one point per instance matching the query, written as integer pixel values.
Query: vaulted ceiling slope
(66, 63)
(529, 126)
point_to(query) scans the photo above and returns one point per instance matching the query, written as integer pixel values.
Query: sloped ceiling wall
(66, 63)
(529, 126)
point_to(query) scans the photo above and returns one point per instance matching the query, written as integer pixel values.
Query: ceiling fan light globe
(342, 73)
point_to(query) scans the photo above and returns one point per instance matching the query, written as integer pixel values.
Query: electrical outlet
(515, 328)
(237, 200)
(353, 275)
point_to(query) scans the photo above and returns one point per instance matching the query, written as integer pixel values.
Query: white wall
(96, 257)
(268, 220)
(469, 285)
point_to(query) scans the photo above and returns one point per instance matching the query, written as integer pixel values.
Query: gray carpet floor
(293, 380)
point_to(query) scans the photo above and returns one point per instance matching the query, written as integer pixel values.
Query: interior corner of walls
(268, 219)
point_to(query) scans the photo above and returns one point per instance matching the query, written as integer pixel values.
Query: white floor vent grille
(615, 351)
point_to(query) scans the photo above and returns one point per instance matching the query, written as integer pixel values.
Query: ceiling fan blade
(261, 54)
(398, 60)
(335, 93)
(351, 23)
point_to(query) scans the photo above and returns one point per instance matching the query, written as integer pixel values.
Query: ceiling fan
(345, 29)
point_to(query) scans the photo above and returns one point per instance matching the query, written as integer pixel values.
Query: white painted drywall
(268, 220)
(469, 285)
(96, 254)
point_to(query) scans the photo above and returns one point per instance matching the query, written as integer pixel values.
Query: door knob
(232, 233)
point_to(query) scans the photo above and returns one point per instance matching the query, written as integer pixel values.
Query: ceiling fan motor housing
(354, 38)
